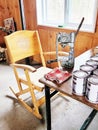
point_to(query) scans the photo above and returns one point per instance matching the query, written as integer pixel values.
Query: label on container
(79, 82)
(92, 89)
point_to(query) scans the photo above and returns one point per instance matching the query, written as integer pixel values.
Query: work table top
(66, 87)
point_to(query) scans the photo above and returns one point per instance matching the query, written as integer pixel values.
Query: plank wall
(9, 8)
(83, 42)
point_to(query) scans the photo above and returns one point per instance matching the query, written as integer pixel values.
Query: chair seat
(20, 45)
(35, 76)
(39, 74)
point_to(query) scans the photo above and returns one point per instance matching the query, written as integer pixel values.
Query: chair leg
(36, 103)
(32, 110)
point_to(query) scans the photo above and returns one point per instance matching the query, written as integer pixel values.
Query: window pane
(55, 11)
(79, 9)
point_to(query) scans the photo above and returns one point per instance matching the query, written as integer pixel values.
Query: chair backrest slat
(22, 44)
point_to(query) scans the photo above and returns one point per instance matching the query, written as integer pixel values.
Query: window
(67, 13)
(52, 11)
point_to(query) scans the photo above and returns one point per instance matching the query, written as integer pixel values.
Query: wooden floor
(67, 114)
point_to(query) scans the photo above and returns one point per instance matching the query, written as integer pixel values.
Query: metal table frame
(48, 110)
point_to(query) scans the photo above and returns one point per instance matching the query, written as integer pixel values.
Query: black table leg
(88, 120)
(48, 111)
(48, 107)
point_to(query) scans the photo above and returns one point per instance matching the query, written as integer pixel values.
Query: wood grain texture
(9, 9)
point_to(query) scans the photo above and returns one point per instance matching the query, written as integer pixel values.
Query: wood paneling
(9, 8)
(30, 14)
(84, 41)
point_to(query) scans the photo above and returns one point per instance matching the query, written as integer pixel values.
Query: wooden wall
(8, 8)
(30, 14)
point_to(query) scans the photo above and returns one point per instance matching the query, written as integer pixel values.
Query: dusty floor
(67, 114)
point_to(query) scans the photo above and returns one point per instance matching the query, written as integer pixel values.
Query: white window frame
(42, 17)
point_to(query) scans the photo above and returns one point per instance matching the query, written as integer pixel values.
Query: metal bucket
(92, 89)
(79, 79)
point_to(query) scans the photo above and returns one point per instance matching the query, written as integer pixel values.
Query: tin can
(87, 68)
(95, 58)
(95, 72)
(92, 63)
(79, 79)
(92, 89)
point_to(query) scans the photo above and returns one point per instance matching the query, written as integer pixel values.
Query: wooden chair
(22, 44)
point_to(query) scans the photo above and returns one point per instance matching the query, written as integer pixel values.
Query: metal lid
(95, 72)
(95, 58)
(91, 62)
(86, 68)
(80, 74)
(93, 79)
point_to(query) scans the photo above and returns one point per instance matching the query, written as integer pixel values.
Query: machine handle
(79, 25)
(51, 61)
